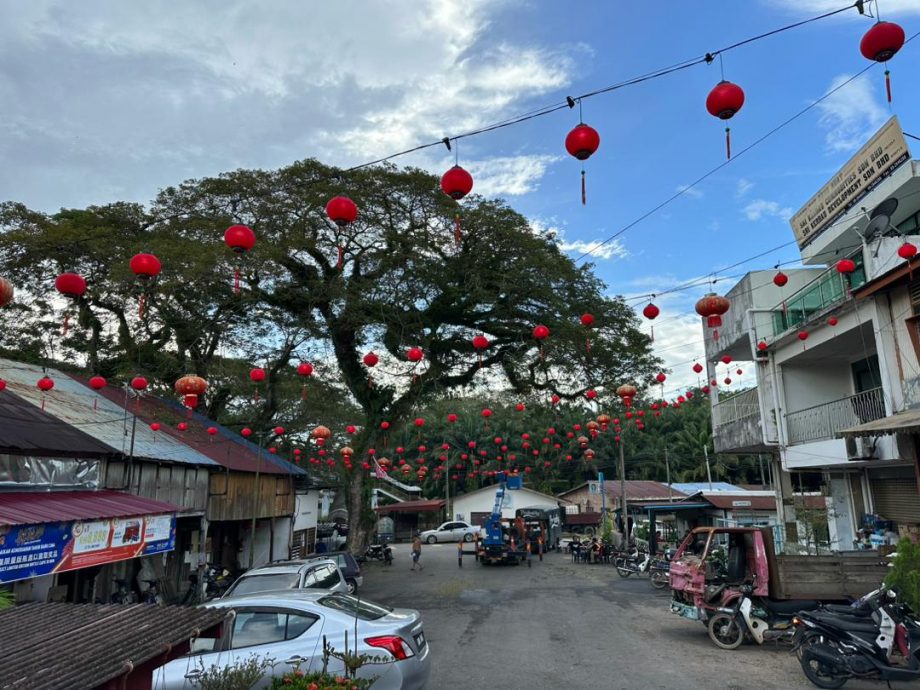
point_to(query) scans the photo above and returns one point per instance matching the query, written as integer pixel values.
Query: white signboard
(741, 504)
(90, 536)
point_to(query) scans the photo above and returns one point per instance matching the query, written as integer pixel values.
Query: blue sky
(106, 100)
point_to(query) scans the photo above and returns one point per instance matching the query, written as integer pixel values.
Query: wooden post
(459, 554)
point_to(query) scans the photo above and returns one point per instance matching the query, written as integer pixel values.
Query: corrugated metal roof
(693, 487)
(725, 501)
(414, 506)
(32, 507)
(49, 646)
(25, 428)
(72, 402)
(226, 448)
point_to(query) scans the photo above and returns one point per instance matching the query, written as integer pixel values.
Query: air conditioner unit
(860, 448)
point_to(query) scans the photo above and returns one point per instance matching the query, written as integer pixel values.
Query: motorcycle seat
(847, 610)
(791, 606)
(848, 623)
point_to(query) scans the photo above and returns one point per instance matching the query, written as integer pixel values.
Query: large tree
(402, 282)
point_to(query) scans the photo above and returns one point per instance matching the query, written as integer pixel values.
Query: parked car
(350, 568)
(451, 531)
(289, 627)
(317, 574)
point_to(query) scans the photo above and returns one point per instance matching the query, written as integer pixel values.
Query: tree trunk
(359, 527)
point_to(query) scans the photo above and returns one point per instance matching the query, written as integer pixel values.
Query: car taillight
(394, 644)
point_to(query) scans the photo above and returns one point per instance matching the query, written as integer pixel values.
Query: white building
(474, 507)
(840, 400)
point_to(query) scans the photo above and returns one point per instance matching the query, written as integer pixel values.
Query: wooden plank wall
(841, 576)
(231, 496)
(183, 485)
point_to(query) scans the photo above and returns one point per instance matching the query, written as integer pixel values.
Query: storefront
(895, 499)
(70, 545)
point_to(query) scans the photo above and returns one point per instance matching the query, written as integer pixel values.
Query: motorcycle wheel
(659, 579)
(818, 674)
(623, 571)
(725, 631)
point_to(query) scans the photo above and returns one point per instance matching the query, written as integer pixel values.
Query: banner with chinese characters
(34, 550)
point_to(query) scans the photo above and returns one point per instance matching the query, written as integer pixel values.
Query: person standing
(416, 551)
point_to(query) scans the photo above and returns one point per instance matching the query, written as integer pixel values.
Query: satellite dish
(886, 208)
(876, 228)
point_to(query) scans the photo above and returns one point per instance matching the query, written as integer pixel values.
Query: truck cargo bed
(847, 575)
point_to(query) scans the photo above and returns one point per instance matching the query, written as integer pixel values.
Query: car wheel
(467, 537)
(432, 539)
(352, 585)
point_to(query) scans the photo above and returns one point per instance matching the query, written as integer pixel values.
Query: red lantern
(726, 359)
(419, 422)
(661, 378)
(651, 312)
(370, 359)
(6, 292)
(98, 383)
(245, 432)
(907, 251)
(780, 279)
(257, 375)
(762, 346)
(881, 43)
(240, 238)
(341, 211)
(727, 381)
(191, 387)
(212, 431)
(587, 320)
(846, 266)
(540, 332)
(155, 426)
(45, 384)
(582, 142)
(451, 417)
(487, 413)
(182, 426)
(73, 286)
(803, 336)
(139, 383)
(697, 367)
(555, 399)
(457, 183)
(712, 307)
(414, 354)
(832, 321)
(591, 394)
(723, 102)
(304, 369)
(145, 267)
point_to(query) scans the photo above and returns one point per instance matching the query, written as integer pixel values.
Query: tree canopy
(313, 290)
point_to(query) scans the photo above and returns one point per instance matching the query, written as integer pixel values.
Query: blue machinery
(501, 540)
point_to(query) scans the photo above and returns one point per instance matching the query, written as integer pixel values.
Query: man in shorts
(416, 551)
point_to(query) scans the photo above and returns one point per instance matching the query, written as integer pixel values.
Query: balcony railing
(824, 421)
(828, 289)
(744, 405)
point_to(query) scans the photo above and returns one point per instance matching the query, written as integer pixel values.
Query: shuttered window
(894, 492)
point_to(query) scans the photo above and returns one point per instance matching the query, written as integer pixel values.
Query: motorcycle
(632, 562)
(883, 646)
(660, 570)
(760, 618)
(380, 552)
(216, 582)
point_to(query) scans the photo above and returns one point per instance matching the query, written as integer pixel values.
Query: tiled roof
(51, 646)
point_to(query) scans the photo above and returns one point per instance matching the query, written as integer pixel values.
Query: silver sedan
(288, 627)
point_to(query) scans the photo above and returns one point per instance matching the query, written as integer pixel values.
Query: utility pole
(255, 502)
(708, 471)
(447, 494)
(624, 517)
(600, 484)
(667, 467)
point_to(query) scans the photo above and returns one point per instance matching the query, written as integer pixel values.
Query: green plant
(241, 675)
(905, 573)
(6, 598)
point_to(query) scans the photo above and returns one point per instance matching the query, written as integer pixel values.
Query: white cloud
(512, 176)
(744, 186)
(890, 7)
(762, 208)
(850, 115)
(595, 249)
(692, 192)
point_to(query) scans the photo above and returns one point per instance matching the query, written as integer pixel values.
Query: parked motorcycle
(759, 618)
(883, 646)
(660, 570)
(380, 552)
(632, 562)
(216, 582)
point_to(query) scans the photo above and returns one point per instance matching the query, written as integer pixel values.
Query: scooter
(759, 618)
(216, 582)
(837, 648)
(635, 562)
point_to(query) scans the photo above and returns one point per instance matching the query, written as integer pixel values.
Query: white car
(317, 575)
(287, 630)
(451, 531)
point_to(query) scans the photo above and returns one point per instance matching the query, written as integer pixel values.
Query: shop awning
(907, 422)
(34, 507)
(414, 506)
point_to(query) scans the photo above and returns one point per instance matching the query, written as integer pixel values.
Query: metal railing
(824, 421)
(744, 405)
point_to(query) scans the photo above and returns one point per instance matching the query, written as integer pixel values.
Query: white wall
(282, 536)
(306, 510)
(483, 501)
(816, 454)
(815, 384)
(840, 518)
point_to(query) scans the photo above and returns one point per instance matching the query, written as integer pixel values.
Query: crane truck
(503, 540)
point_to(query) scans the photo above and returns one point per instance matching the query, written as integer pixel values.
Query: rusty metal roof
(51, 646)
(79, 406)
(226, 448)
(32, 507)
(24, 428)
(414, 506)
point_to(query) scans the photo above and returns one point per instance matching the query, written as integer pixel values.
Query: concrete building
(837, 355)
(474, 507)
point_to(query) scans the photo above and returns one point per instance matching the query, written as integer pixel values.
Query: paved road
(564, 625)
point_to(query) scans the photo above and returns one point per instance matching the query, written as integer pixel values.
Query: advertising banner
(33, 550)
(875, 161)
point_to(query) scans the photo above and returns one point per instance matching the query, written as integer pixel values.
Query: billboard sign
(52, 547)
(882, 155)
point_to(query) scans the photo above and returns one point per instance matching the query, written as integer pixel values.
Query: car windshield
(353, 606)
(250, 584)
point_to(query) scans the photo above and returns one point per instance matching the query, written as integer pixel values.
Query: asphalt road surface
(564, 625)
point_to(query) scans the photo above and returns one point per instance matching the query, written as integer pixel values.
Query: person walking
(416, 551)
